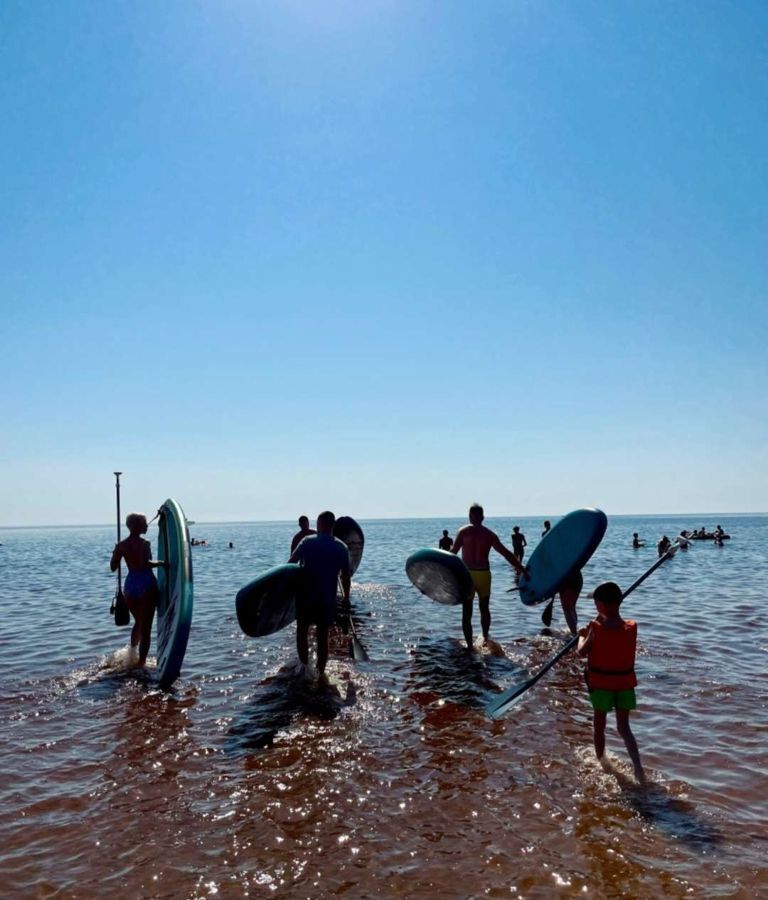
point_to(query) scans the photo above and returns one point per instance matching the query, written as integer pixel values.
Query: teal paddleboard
(268, 603)
(174, 608)
(440, 575)
(565, 549)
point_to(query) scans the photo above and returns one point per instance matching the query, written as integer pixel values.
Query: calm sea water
(245, 781)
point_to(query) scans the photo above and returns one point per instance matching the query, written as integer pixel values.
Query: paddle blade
(359, 652)
(501, 703)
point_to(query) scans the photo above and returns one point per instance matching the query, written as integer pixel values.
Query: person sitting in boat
(719, 530)
(663, 545)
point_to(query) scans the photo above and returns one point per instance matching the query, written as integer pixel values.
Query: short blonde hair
(136, 522)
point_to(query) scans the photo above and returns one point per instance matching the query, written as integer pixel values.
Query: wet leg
(598, 731)
(322, 648)
(302, 640)
(485, 616)
(622, 724)
(466, 622)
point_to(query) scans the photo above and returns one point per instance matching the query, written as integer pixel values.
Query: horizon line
(196, 522)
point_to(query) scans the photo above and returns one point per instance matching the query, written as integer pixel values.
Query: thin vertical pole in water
(120, 564)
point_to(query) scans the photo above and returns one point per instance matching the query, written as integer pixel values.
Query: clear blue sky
(386, 257)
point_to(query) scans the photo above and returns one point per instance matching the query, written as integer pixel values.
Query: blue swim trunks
(140, 583)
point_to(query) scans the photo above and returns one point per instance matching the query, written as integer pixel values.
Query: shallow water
(246, 781)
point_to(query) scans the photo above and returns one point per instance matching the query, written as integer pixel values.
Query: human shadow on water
(676, 817)
(280, 701)
(445, 667)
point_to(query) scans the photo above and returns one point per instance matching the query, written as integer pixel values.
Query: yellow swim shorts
(482, 580)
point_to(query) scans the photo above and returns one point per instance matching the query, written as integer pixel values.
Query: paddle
(119, 607)
(359, 652)
(500, 704)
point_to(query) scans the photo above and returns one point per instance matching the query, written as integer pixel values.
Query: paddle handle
(120, 562)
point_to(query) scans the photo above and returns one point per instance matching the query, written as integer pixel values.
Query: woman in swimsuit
(140, 588)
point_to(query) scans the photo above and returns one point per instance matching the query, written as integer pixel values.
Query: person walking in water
(475, 543)
(547, 526)
(325, 561)
(140, 589)
(446, 541)
(609, 643)
(569, 590)
(304, 531)
(519, 543)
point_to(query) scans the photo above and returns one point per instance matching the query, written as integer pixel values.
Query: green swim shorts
(605, 701)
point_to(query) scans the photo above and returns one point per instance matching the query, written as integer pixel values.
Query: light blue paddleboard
(174, 608)
(565, 548)
(268, 603)
(440, 575)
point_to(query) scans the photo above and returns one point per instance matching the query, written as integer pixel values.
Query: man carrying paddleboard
(325, 560)
(475, 542)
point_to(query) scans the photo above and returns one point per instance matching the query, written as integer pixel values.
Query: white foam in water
(124, 658)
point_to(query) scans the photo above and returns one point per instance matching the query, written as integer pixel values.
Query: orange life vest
(611, 657)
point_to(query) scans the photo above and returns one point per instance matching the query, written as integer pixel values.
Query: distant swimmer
(140, 589)
(304, 531)
(519, 543)
(231, 545)
(325, 561)
(475, 542)
(446, 541)
(663, 545)
(547, 526)
(609, 643)
(719, 540)
(636, 542)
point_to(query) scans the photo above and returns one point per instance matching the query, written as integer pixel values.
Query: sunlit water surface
(246, 781)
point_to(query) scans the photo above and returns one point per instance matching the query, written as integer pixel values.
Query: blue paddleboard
(174, 608)
(565, 548)
(268, 603)
(440, 575)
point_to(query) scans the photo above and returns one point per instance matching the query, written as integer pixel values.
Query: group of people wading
(608, 642)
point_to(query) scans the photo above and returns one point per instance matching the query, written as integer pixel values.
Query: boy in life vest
(609, 644)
